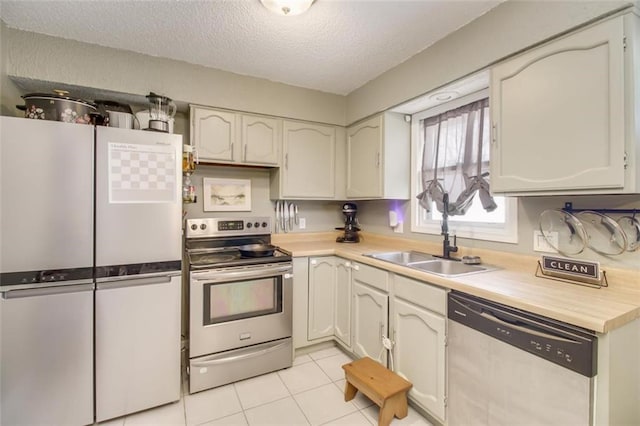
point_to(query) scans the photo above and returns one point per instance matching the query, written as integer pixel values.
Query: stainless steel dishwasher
(510, 367)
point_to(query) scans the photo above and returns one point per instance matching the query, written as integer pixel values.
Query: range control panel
(221, 227)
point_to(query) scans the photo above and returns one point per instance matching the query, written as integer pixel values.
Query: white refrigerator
(138, 248)
(46, 272)
(90, 260)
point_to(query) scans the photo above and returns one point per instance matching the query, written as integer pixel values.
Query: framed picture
(226, 195)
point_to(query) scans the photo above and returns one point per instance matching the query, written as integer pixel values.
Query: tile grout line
(242, 409)
(332, 382)
(296, 401)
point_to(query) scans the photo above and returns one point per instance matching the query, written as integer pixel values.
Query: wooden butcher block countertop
(513, 284)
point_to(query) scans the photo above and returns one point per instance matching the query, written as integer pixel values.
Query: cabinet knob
(314, 262)
(356, 267)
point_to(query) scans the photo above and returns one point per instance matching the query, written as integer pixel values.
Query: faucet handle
(454, 247)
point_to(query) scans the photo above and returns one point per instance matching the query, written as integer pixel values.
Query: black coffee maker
(351, 228)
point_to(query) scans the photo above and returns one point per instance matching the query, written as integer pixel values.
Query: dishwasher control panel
(562, 344)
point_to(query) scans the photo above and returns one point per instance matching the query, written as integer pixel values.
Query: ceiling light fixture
(287, 7)
(444, 96)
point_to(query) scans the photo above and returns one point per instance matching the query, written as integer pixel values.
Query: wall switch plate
(541, 244)
(302, 223)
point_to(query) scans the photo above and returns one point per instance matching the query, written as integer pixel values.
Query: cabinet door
(342, 321)
(260, 140)
(558, 114)
(309, 160)
(322, 285)
(370, 319)
(364, 152)
(419, 354)
(213, 134)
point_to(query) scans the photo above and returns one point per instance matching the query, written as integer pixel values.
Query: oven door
(239, 306)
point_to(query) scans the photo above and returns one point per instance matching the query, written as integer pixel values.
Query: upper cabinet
(308, 164)
(213, 134)
(564, 120)
(378, 158)
(261, 139)
(229, 137)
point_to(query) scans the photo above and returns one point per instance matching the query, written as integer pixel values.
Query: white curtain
(455, 158)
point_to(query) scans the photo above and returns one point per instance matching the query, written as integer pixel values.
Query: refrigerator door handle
(134, 280)
(46, 291)
(42, 285)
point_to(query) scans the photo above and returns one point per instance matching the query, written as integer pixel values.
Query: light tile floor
(309, 393)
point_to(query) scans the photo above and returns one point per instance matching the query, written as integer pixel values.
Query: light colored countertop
(514, 283)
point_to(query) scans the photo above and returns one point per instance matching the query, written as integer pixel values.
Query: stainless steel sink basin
(402, 257)
(448, 268)
(428, 263)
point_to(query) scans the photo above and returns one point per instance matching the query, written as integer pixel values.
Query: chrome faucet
(447, 248)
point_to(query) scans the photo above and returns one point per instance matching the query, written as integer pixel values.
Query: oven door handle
(221, 275)
(234, 358)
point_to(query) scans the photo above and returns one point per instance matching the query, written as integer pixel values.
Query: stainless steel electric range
(240, 301)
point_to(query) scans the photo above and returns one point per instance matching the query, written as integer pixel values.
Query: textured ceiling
(337, 46)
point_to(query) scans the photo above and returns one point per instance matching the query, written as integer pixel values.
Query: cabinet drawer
(369, 275)
(422, 294)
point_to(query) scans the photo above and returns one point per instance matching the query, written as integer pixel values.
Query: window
(472, 220)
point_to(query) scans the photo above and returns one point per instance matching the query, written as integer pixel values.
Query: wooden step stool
(382, 386)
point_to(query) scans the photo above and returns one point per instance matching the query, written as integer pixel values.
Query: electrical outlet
(541, 244)
(399, 228)
(302, 223)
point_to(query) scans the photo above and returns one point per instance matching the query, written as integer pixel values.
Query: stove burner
(213, 258)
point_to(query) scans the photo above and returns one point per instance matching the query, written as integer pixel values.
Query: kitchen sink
(402, 257)
(428, 263)
(448, 268)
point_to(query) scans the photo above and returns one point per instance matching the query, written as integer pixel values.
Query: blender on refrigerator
(161, 112)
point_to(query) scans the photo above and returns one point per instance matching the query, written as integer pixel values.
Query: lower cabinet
(356, 305)
(418, 328)
(322, 301)
(370, 319)
(342, 314)
(322, 297)
(370, 311)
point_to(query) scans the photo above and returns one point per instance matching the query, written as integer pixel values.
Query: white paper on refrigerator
(142, 173)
